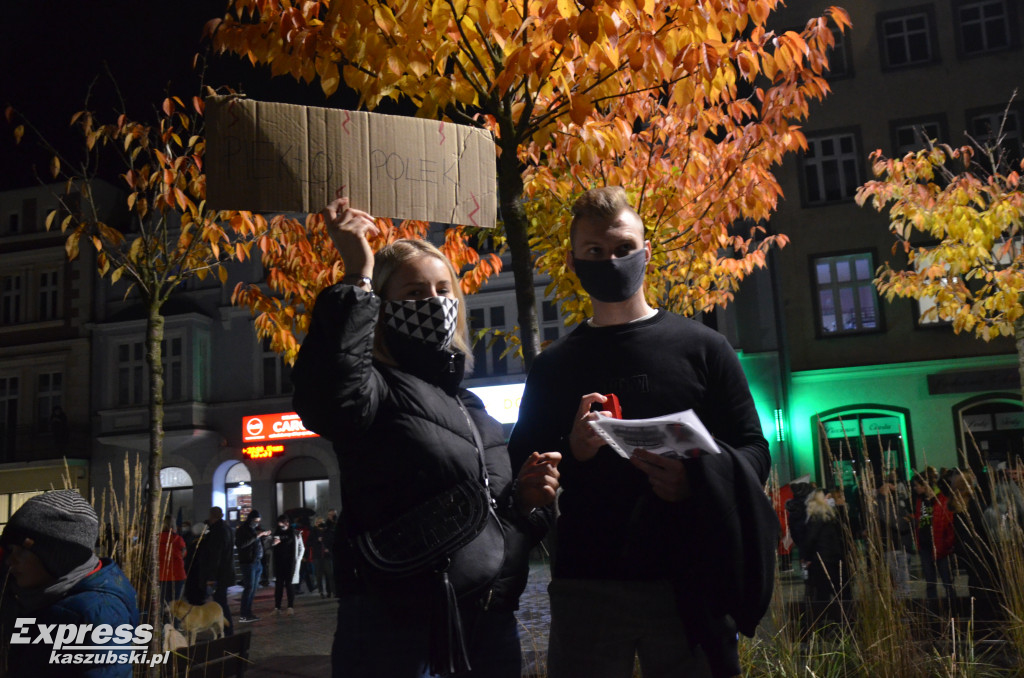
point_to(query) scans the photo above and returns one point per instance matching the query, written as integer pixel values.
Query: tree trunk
(1018, 337)
(151, 510)
(510, 190)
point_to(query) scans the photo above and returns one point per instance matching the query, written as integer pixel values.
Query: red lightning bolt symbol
(477, 203)
(440, 129)
(232, 112)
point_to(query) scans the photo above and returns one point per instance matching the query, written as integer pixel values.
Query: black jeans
(282, 585)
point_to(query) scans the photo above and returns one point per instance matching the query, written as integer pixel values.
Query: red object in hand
(612, 405)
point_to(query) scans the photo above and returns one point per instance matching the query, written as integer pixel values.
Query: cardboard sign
(270, 157)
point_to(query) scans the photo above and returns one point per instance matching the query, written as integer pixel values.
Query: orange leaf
(560, 31)
(19, 132)
(588, 26)
(579, 109)
(168, 106)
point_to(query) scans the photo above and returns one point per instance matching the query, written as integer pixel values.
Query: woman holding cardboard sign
(432, 544)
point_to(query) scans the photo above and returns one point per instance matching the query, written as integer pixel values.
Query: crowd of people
(659, 560)
(947, 520)
(297, 552)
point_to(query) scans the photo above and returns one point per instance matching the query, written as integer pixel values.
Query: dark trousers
(375, 639)
(929, 567)
(282, 585)
(325, 575)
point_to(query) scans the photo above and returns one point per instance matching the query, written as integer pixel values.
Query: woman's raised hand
(349, 229)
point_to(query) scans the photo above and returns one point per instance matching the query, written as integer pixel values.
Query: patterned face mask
(430, 321)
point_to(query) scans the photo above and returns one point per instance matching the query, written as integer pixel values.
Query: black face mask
(443, 368)
(612, 280)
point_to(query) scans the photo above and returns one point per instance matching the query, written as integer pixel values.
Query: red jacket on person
(172, 557)
(942, 525)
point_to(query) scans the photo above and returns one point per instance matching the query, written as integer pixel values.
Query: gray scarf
(37, 599)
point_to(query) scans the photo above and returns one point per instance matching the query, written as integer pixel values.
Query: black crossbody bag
(455, 536)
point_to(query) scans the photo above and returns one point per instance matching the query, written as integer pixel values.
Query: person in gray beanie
(58, 579)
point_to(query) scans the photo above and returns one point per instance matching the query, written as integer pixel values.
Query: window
(906, 38)
(477, 323)
(49, 401)
(860, 443)
(13, 223)
(985, 26)
(840, 62)
(133, 377)
(49, 295)
(176, 493)
(12, 306)
(277, 378)
(131, 364)
(985, 129)
(499, 363)
(11, 502)
(8, 416)
(488, 349)
(171, 349)
(29, 206)
(909, 135)
(549, 321)
(831, 168)
(846, 298)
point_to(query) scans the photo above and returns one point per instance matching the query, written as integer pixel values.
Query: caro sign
(280, 426)
(271, 157)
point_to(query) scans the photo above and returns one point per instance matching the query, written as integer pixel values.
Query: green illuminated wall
(902, 385)
(763, 375)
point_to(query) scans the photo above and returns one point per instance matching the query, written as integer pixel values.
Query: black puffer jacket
(400, 438)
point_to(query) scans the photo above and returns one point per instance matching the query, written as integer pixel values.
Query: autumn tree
(686, 103)
(301, 261)
(163, 237)
(957, 216)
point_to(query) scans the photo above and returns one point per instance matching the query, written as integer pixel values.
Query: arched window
(863, 439)
(176, 485)
(989, 431)
(238, 490)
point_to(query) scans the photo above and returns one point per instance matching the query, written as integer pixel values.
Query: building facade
(46, 307)
(867, 381)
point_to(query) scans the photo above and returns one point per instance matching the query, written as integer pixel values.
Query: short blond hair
(392, 257)
(600, 204)
(818, 506)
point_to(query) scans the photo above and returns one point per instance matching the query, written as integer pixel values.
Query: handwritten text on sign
(271, 157)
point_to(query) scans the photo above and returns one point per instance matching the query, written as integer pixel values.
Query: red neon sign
(280, 426)
(262, 451)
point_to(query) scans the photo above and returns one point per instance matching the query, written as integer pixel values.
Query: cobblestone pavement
(300, 645)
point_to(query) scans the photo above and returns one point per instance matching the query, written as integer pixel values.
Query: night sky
(51, 50)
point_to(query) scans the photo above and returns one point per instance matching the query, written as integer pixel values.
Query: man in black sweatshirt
(655, 557)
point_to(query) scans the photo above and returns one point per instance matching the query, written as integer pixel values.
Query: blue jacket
(104, 597)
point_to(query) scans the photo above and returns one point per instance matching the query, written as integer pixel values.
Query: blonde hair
(602, 204)
(818, 506)
(392, 257)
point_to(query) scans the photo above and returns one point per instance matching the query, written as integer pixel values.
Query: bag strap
(484, 478)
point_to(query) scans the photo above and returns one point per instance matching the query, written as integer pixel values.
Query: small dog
(195, 618)
(173, 639)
